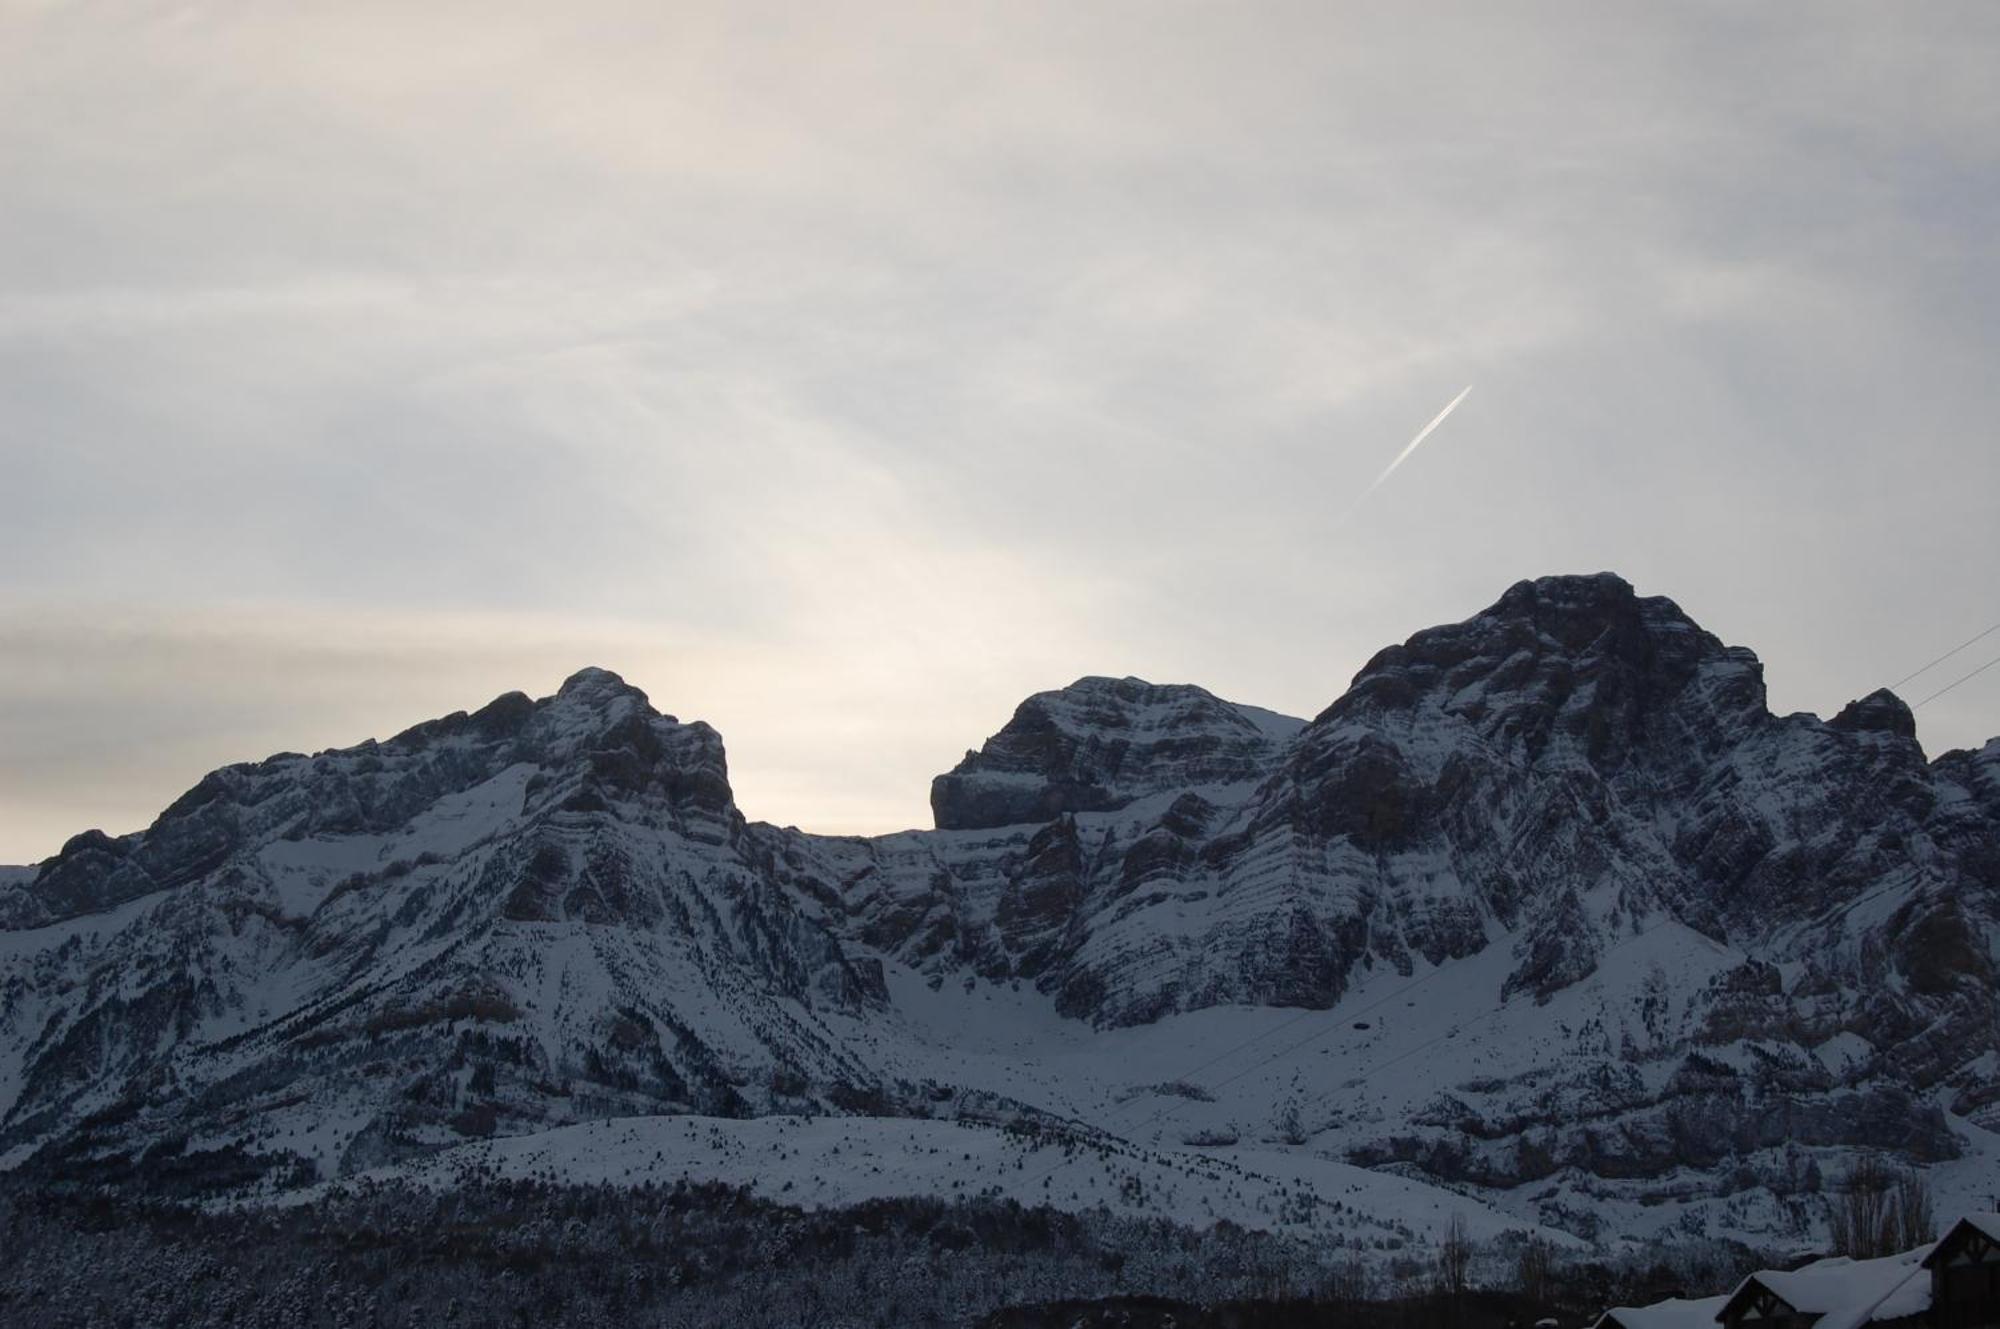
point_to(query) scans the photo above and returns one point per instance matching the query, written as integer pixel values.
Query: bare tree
(1454, 1260)
(1916, 1216)
(1290, 1122)
(1879, 1210)
(1347, 1285)
(1859, 1219)
(1534, 1268)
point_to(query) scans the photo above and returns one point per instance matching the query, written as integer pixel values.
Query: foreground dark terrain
(543, 1255)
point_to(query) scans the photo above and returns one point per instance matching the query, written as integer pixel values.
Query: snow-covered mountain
(1547, 914)
(537, 913)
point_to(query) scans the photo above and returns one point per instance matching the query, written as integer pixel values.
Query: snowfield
(836, 1162)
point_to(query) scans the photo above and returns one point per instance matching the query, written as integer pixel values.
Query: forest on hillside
(531, 1253)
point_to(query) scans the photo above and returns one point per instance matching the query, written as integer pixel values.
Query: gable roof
(1846, 1293)
(1837, 1293)
(1987, 1225)
(1673, 1313)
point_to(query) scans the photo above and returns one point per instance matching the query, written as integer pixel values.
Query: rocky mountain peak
(590, 703)
(1590, 623)
(596, 686)
(1576, 665)
(1880, 712)
(597, 741)
(1099, 743)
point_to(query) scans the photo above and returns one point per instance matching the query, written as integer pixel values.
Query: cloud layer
(841, 374)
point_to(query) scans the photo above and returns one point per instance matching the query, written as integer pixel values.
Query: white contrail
(1422, 434)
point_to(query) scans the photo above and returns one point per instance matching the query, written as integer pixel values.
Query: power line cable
(1967, 679)
(1942, 658)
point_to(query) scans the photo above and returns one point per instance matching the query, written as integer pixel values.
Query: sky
(842, 374)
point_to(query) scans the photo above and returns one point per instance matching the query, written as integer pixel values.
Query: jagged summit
(1880, 712)
(595, 685)
(589, 703)
(1550, 640)
(1100, 743)
(595, 743)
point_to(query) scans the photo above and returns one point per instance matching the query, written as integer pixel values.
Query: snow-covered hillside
(836, 1162)
(1547, 919)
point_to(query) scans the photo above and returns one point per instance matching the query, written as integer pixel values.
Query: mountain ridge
(1705, 942)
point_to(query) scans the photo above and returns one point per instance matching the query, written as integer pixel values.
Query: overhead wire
(1967, 679)
(1972, 641)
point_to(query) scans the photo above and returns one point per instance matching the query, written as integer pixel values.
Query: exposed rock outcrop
(1100, 743)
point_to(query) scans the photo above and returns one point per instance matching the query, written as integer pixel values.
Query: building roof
(1987, 1225)
(1846, 1293)
(1840, 1293)
(1673, 1313)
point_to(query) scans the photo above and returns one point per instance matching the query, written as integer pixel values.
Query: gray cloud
(842, 374)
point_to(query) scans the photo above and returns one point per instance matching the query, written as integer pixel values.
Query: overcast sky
(841, 374)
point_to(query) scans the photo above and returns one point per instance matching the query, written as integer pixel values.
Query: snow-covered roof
(1674, 1313)
(1842, 1293)
(1846, 1293)
(1987, 1225)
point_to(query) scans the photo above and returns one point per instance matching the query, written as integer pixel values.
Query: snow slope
(833, 1162)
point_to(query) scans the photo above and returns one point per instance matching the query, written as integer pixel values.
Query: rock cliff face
(1575, 760)
(1695, 938)
(597, 736)
(1100, 743)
